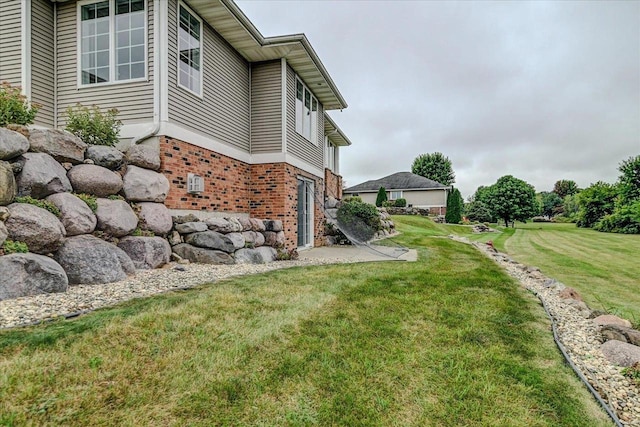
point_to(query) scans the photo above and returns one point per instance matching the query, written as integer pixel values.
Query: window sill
(119, 82)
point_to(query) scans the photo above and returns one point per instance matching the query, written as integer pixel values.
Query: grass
(449, 340)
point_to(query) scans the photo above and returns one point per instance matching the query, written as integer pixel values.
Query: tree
(382, 197)
(565, 187)
(434, 166)
(454, 207)
(512, 199)
(478, 211)
(595, 202)
(629, 180)
(551, 203)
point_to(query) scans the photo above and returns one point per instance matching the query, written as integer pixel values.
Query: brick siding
(333, 184)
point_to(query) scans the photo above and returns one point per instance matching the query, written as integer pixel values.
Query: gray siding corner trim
(266, 107)
(11, 42)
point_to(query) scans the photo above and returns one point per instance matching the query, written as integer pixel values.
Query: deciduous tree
(512, 199)
(565, 187)
(434, 166)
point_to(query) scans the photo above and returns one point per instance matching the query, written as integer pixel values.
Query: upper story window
(330, 154)
(190, 50)
(306, 113)
(113, 41)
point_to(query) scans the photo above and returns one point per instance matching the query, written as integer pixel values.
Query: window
(330, 151)
(306, 113)
(190, 50)
(113, 41)
(395, 195)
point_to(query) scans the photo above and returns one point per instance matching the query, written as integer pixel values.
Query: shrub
(90, 200)
(352, 199)
(400, 203)
(92, 125)
(14, 107)
(625, 219)
(381, 197)
(455, 203)
(11, 247)
(39, 203)
(358, 220)
(478, 211)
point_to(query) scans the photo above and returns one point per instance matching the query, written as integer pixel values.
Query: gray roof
(397, 181)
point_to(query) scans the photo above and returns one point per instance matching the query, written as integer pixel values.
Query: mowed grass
(449, 340)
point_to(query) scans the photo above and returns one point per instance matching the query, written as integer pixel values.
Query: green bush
(400, 203)
(352, 199)
(478, 211)
(11, 247)
(359, 220)
(39, 203)
(14, 107)
(90, 200)
(625, 219)
(92, 125)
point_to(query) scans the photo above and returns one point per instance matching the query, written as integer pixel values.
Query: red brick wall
(333, 184)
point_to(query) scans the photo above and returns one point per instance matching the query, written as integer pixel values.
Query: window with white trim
(306, 112)
(395, 195)
(330, 151)
(113, 40)
(190, 50)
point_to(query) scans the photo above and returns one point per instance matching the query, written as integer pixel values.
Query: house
(418, 191)
(240, 119)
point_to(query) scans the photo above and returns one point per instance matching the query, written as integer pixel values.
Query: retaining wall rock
(41, 176)
(146, 252)
(8, 186)
(95, 180)
(202, 255)
(154, 217)
(38, 228)
(62, 146)
(144, 185)
(75, 215)
(12, 144)
(107, 157)
(30, 274)
(115, 217)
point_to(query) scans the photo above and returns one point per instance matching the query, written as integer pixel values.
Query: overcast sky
(539, 90)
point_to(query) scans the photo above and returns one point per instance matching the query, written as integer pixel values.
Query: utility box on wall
(195, 184)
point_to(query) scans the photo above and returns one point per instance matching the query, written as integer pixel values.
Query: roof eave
(334, 133)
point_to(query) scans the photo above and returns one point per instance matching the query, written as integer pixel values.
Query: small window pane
(102, 9)
(103, 59)
(123, 72)
(100, 43)
(307, 99)
(103, 75)
(137, 20)
(137, 54)
(102, 26)
(123, 56)
(137, 70)
(123, 39)
(314, 105)
(88, 12)
(137, 5)
(122, 6)
(299, 90)
(85, 60)
(137, 37)
(88, 28)
(122, 22)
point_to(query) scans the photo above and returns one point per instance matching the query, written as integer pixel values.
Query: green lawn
(449, 340)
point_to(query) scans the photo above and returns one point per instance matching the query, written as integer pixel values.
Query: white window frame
(201, 82)
(310, 133)
(330, 150)
(112, 45)
(392, 193)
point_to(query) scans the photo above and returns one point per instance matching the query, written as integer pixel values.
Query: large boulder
(38, 228)
(610, 319)
(4, 233)
(146, 252)
(273, 225)
(105, 156)
(8, 187)
(96, 180)
(257, 224)
(144, 185)
(12, 144)
(41, 176)
(89, 260)
(267, 253)
(274, 239)
(144, 156)
(30, 274)
(75, 215)
(210, 240)
(253, 238)
(237, 239)
(115, 217)
(621, 353)
(202, 255)
(245, 222)
(191, 227)
(62, 146)
(222, 225)
(620, 333)
(155, 217)
(260, 255)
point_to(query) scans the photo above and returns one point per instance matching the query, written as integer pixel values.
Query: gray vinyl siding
(134, 101)
(223, 111)
(266, 107)
(10, 38)
(298, 145)
(42, 61)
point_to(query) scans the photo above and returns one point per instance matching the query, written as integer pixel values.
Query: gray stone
(75, 215)
(253, 238)
(89, 162)
(12, 144)
(174, 238)
(8, 186)
(246, 223)
(4, 233)
(221, 225)
(107, 157)
(570, 293)
(257, 224)
(191, 227)
(201, 255)
(267, 253)
(30, 274)
(237, 239)
(115, 217)
(273, 225)
(89, 260)
(181, 219)
(38, 228)
(4, 213)
(270, 238)
(144, 156)
(610, 319)
(620, 333)
(146, 252)
(17, 164)
(210, 240)
(96, 180)
(62, 146)
(144, 185)
(330, 203)
(41, 176)
(248, 256)
(621, 353)
(155, 217)
(236, 225)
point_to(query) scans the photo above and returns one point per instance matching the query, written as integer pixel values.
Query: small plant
(115, 197)
(400, 203)
(287, 255)
(14, 107)
(90, 200)
(39, 203)
(11, 247)
(138, 232)
(250, 245)
(93, 126)
(633, 373)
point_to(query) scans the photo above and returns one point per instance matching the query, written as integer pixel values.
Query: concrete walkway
(360, 254)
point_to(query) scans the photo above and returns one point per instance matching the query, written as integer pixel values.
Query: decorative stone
(181, 219)
(269, 238)
(620, 333)
(280, 239)
(246, 223)
(236, 225)
(253, 238)
(96, 180)
(610, 319)
(144, 185)
(62, 146)
(273, 225)
(144, 156)
(4, 233)
(237, 239)
(8, 187)
(89, 260)
(210, 240)
(155, 217)
(4, 213)
(17, 164)
(267, 253)
(175, 238)
(115, 217)
(37, 227)
(621, 353)
(30, 274)
(12, 144)
(41, 176)
(75, 215)
(191, 227)
(220, 225)
(202, 255)
(248, 256)
(570, 293)
(146, 252)
(331, 203)
(105, 156)
(257, 224)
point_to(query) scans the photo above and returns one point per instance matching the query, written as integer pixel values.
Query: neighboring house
(240, 119)
(418, 191)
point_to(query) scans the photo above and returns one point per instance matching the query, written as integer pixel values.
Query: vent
(195, 184)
